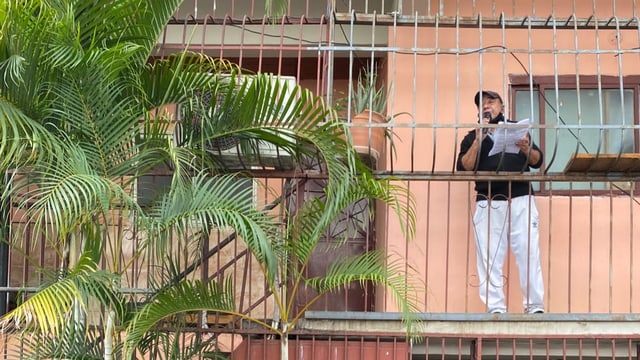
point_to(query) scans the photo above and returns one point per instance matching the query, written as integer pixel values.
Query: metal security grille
(570, 67)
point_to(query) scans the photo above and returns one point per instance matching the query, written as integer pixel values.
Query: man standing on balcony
(505, 213)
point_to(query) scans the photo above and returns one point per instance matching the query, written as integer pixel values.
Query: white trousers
(498, 225)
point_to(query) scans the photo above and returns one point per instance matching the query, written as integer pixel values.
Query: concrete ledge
(478, 325)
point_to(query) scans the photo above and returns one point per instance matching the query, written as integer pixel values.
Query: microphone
(486, 115)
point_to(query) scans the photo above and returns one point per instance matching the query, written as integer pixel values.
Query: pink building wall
(587, 242)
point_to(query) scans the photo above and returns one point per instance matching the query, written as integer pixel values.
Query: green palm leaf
(174, 345)
(50, 309)
(316, 215)
(80, 104)
(68, 194)
(379, 269)
(308, 226)
(183, 297)
(66, 343)
(215, 202)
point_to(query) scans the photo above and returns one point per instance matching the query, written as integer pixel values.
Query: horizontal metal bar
(487, 22)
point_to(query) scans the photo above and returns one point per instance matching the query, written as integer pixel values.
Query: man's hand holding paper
(506, 136)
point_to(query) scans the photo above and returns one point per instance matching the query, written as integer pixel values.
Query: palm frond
(77, 72)
(311, 222)
(68, 193)
(316, 215)
(260, 109)
(377, 268)
(183, 297)
(101, 119)
(275, 8)
(177, 345)
(67, 342)
(109, 22)
(50, 308)
(172, 80)
(216, 202)
(22, 140)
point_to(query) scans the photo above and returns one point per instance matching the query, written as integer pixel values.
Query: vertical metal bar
(391, 88)
(330, 54)
(473, 349)
(601, 141)
(434, 161)
(622, 134)
(223, 36)
(164, 42)
(530, 203)
(435, 93)
(542, 138)
(414, 83)
(324, 60)
(241, 44)
(184, 31)
(372, 62)
(281, 44)
(263, 24)
(246, 275)
(632, 197)
(25, 264)
(580, 349)
(204, 266)
(350, 40)
(577, 65)
(5, 221)
(486, 281)
(203, 40)
(591, 240)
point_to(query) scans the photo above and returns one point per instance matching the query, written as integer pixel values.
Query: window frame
(544, 83)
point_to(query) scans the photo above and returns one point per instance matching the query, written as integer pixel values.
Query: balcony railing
(434, 56)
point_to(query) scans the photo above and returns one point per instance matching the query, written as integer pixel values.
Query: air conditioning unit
(229, 152)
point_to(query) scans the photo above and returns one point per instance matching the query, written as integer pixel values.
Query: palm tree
(291, 252)
(79, 104)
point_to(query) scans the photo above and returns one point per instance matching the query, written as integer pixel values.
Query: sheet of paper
(504, 138)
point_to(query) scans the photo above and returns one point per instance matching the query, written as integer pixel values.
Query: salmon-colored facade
(587, 241)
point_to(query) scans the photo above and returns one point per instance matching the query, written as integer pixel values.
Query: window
(587, 119)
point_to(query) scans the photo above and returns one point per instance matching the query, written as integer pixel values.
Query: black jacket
(498, 190)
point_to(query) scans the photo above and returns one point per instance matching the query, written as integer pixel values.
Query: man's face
(491, 105)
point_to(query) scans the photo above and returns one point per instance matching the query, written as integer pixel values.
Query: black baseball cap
(489, 93)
